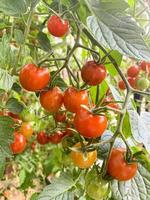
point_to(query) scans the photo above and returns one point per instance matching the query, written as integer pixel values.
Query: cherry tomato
(27, 115)
(67, 131)
(89, 125)
(73, 99)
(121, 85)
(52, 99)
(133, 71)
(111, 104)
(80, 160)
(118, 167)
(33, 78)
(57, 26)
(132, 82)
(19, 144)
(93, 73)
(142, 84)
(26, 130)
(60, 116)
(145, 66)
(42, 138)
(56, 137)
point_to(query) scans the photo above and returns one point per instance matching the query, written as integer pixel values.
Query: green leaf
(132, 3)
(139, 128)
(137, 188)
(44, 41)
(114, 29)
(13, 105)
(18, 35)
(6, 80)
(58, 189)
(115, 93)
(15, 7)
(103, 87)
(126, 127)
(34, 196)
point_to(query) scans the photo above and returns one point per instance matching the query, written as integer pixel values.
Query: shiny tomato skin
(118, 167)
(60, 116)
(52, 99)
(133, 71)
(33, 78)
(121, 85)
(93, 73)
(57, 26)
(145, 66)
(19, 144)
(73, 99)
(132, 81)
(56, 137)
(42, 138)
(89, 125)
(79, 160)
(26, 130)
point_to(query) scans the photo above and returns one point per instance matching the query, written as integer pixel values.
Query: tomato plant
(74, 99)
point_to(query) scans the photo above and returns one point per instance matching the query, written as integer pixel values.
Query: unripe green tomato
(143, 84)
(96, 187)
(27, 115)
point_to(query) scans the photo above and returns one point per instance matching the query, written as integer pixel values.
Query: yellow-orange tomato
(26, 130)
(81, 161)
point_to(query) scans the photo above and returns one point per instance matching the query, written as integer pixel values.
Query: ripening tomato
(142, 83)
(52, 99)
(118, 167)
(121, 85)
(93, 73)
(56, 137)
(89, 125)
(57, 26)
(42, 138)
(60, 116)
(145, 66)
(33, 78)
(19, 144)
(26, 130)
(110, 103)
(81, 160)
(132, 81)
(73, 99)
(133, 71)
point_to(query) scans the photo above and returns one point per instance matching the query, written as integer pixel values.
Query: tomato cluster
(136, 80)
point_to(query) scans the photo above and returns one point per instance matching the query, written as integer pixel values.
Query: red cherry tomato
(26, 130)
(109, 101)
(133, 71)
(89, 125)
(33, 78)
(52, 99)
(121, 85)
(60, 116)
(57, 26)
(73, 99)
(56, 137)
(93, 73)
(118, 167)
(42, 138)
(145, 66)
(132, 82)
(19, 144)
